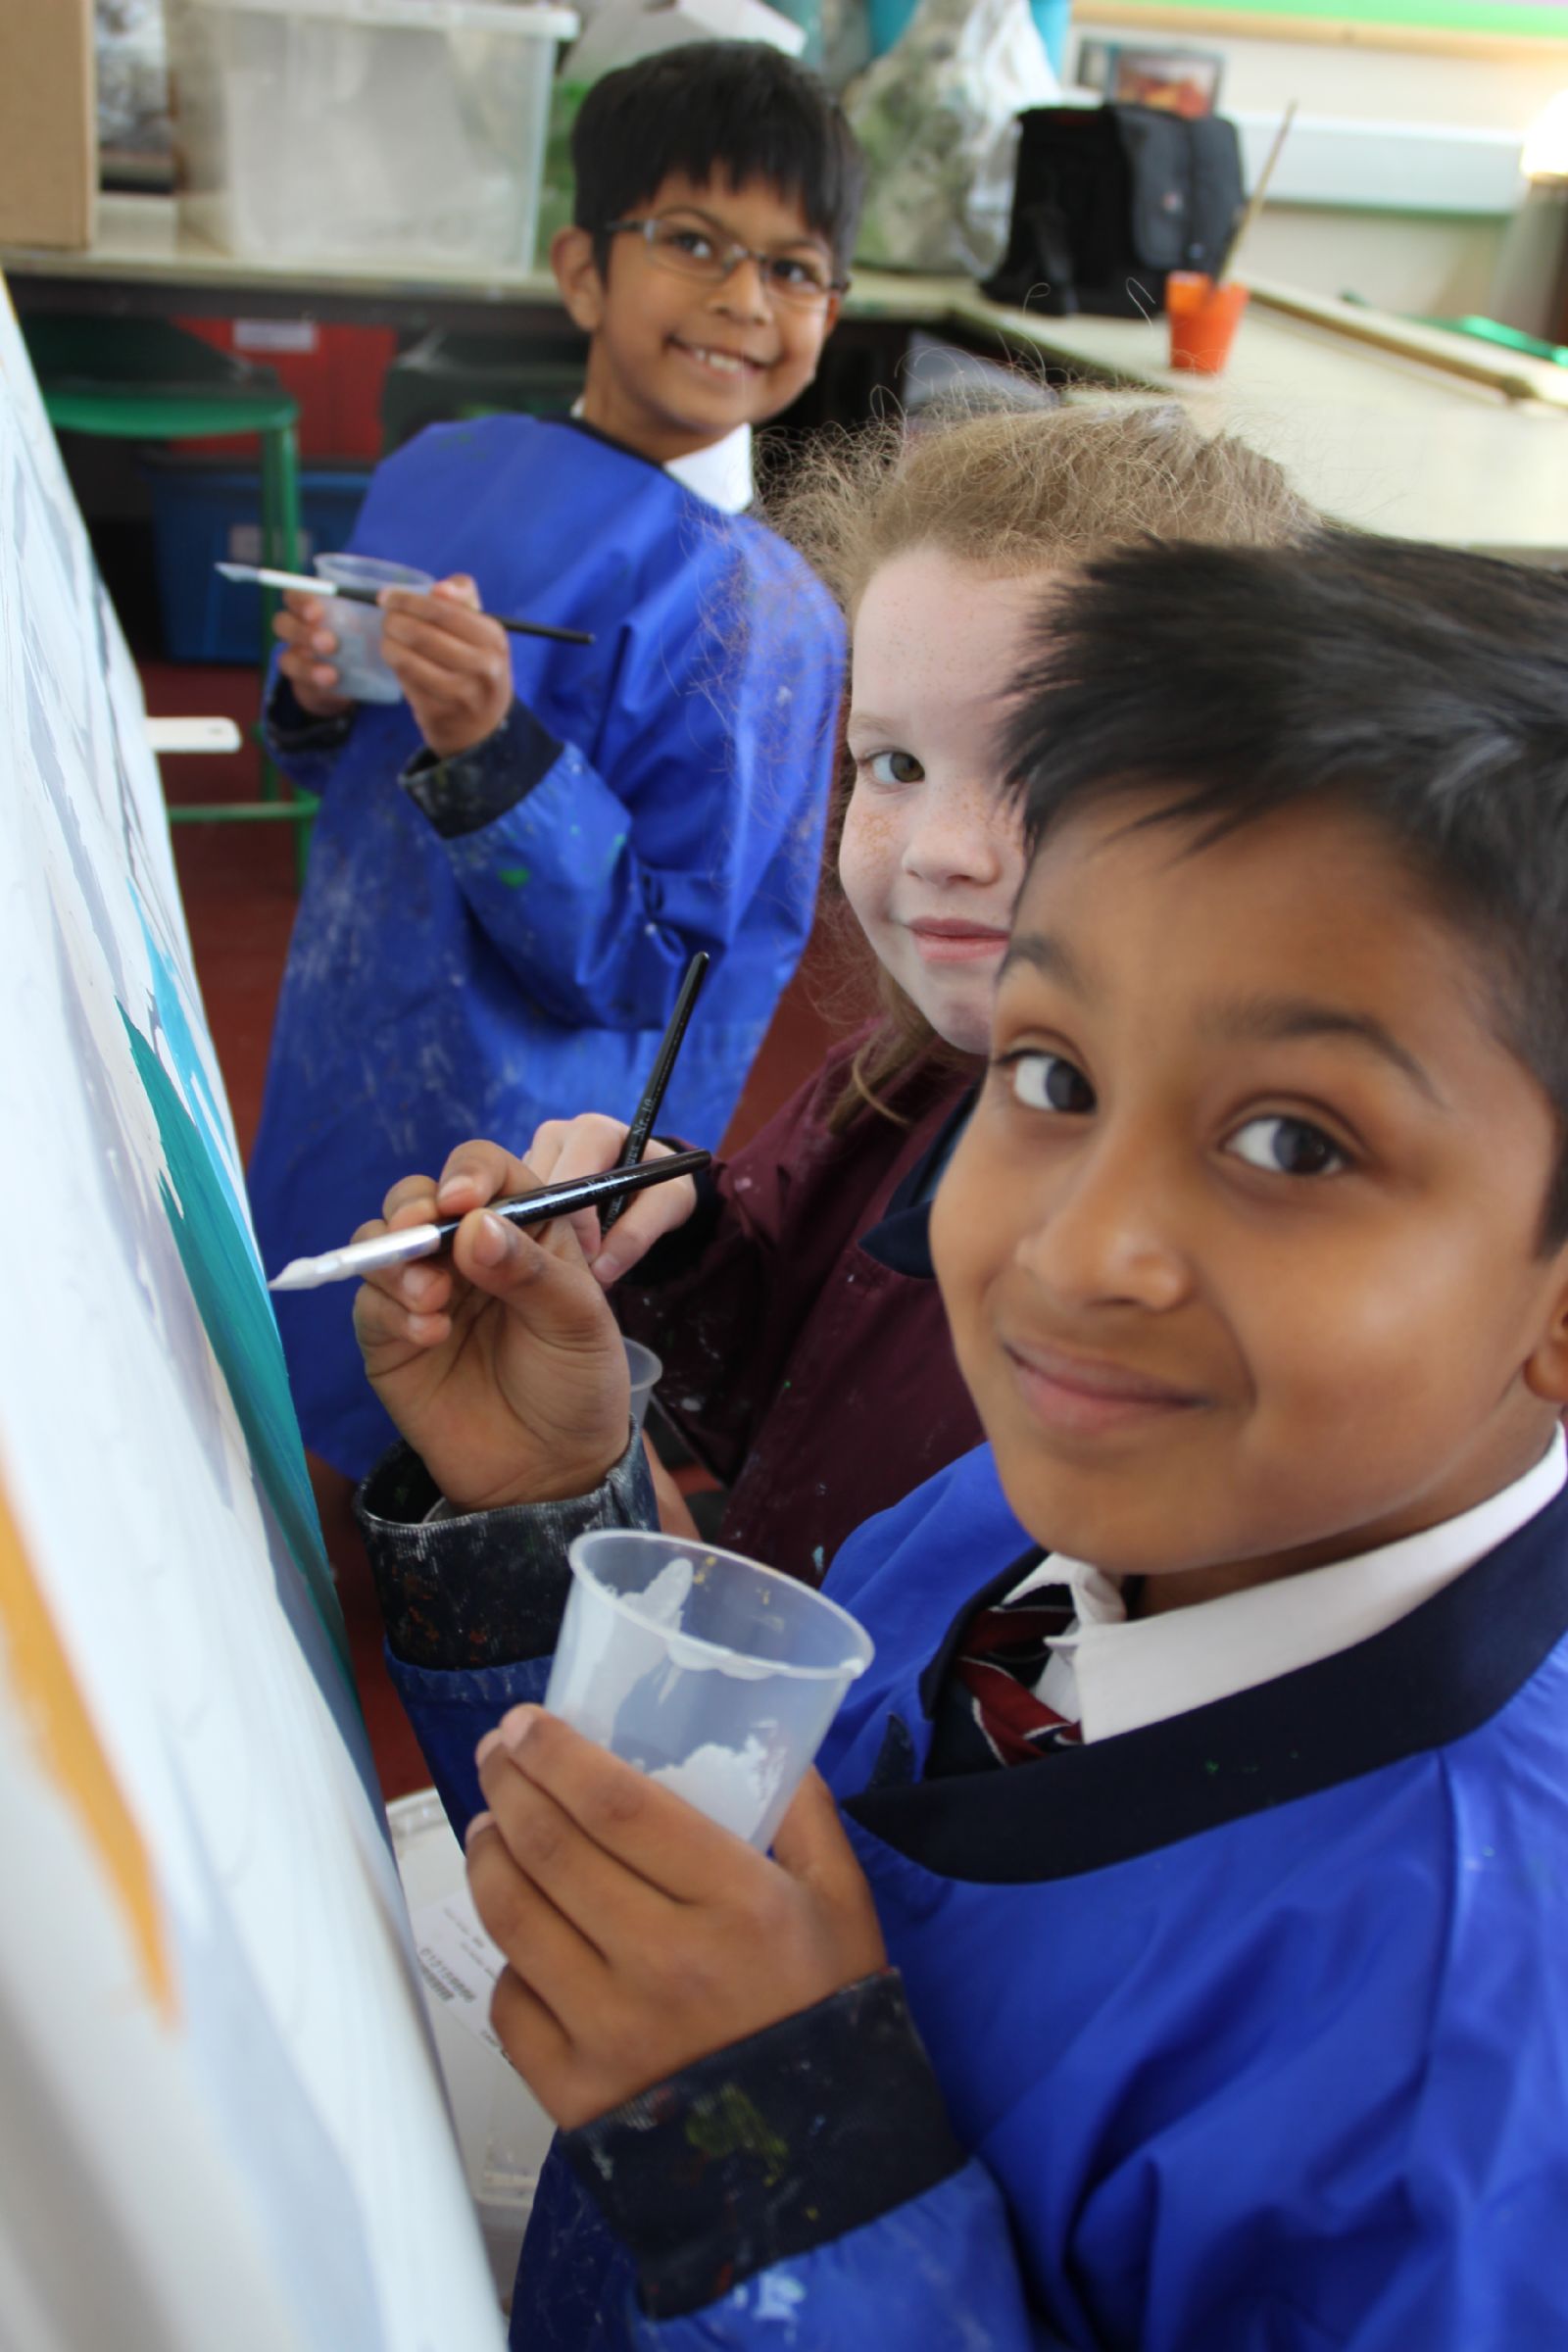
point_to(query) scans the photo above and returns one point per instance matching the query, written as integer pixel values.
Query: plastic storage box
(449, 375)
(205, 514)
(400, 130)
(335, 372)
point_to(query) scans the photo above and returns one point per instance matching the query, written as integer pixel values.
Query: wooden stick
(1256, 204)
(1509, 375)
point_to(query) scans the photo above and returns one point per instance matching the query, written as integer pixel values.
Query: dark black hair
(737, 108)
(1423, 689)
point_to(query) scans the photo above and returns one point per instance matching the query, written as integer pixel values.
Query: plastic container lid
(532, 17)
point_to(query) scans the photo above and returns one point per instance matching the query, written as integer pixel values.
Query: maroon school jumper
(805, 1350)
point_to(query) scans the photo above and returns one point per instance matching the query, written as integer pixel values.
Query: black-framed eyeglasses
(689, 245)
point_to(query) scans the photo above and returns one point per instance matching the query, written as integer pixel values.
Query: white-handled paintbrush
(266, 577)
(408, 1242)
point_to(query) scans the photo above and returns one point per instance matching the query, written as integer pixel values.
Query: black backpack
(1108, 200)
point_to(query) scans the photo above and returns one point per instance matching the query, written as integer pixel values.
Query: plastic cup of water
(646, 1370)
(715, 1676)
(361, 672)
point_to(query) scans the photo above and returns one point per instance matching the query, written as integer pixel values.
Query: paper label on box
(457, 1961)
(277, 334)
(245, 543)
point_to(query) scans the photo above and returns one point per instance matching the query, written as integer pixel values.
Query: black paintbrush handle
(518, 628)
(658, 1077)
(583, 1192)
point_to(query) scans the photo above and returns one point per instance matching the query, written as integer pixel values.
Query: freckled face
(930, 859)
(1240, 1249)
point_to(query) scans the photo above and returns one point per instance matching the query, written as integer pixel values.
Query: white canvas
(219, 2122)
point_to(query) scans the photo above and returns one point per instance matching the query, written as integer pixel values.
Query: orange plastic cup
(1204, 318)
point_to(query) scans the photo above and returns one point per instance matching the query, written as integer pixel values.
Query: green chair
(141, 379)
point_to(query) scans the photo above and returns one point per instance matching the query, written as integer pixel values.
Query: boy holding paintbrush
(512, 866)
(1185, 1968)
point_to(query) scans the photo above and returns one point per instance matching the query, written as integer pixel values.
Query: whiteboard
(220, 2119)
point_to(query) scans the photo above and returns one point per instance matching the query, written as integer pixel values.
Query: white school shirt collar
(720, 474)
(1112, 1674)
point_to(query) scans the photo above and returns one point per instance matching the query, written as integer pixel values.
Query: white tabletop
(1378, 437)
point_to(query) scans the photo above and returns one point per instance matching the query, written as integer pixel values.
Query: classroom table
(1382, 422)
(145, 261)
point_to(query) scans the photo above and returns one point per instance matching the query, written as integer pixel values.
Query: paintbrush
(359, 1258)
(646, 1112)
(266, 577)
(1244, 227)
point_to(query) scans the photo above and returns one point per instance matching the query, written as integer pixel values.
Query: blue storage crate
(205, 514)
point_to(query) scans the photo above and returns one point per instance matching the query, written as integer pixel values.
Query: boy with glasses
(513, 865)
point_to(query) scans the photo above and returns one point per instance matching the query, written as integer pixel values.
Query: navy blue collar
(902, 1237)
(1430, 1678)
(594, 432)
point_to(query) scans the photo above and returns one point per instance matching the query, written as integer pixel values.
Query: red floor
(238, 883)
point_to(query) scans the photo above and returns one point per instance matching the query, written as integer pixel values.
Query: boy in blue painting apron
(513, 865)
(1180, 1968)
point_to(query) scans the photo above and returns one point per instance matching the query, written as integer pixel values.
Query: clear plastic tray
(406, 131)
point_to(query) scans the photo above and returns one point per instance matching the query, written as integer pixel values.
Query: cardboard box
(48, 122)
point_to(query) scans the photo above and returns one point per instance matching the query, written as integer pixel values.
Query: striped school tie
(1002, 1654)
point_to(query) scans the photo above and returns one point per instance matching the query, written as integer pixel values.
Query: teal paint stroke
(221, 1265)
(189, 1067)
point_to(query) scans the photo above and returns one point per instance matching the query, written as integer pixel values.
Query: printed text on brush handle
(585, 1192)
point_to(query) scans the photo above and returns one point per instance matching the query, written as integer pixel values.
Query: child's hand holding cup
(309, 659)
(715, 1676)
(364, 672)
(331, 649)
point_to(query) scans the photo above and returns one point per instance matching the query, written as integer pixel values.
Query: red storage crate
(335, 372)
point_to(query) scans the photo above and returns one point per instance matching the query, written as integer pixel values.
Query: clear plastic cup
(646, 1370)
(361, 674)
(715, 1676)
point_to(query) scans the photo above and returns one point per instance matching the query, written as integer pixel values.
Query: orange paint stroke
(73, 1755)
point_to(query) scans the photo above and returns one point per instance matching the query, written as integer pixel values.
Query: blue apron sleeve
(596, 888)
(806, 2176)
(305, 748)
(451, 1713)
(471, 1601)
(934, 2274)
